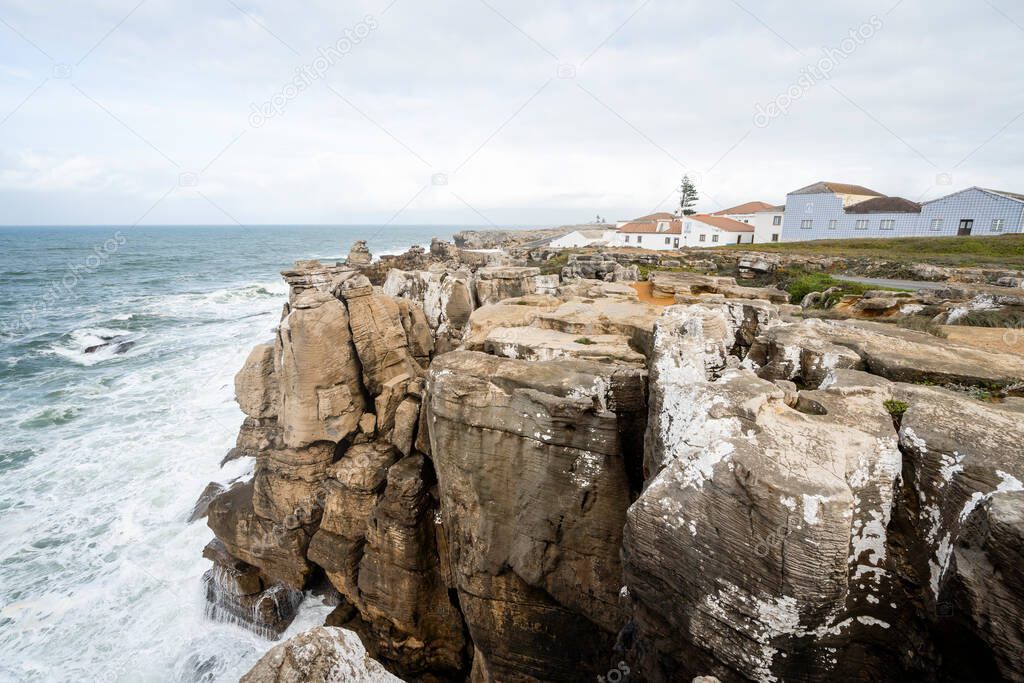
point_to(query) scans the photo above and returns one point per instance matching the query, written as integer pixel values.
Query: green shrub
(799, 284)
(807, 283)
(895, 408)
(586, 341)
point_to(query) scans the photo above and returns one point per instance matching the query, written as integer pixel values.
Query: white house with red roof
(667, 231)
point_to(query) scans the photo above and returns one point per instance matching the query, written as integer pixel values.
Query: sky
(493, 112)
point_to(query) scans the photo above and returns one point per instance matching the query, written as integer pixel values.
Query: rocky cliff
(497, 476)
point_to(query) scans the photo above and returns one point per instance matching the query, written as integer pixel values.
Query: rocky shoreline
(500, 471)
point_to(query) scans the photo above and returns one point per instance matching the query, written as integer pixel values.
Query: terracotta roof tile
(749, 207)
(723, 223)
(651, 227)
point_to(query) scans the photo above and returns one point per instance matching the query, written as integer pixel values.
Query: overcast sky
(497, 111)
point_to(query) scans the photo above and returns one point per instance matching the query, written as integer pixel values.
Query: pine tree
(687, 196)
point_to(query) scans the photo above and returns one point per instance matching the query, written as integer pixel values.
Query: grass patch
(554, 265)
(799, 284)
(997, 317)
(895, 408)
(1000, 250)
(586, 341)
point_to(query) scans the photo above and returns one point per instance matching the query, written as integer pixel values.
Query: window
(997, 225)
(668, 240)
(675, 241)
(936, 224)
(887, 224)
(688, 227)
(639, 239)
(702, 236)
(806, 224)
(862, 224)
(833, 224)
(714, 238)
(776, 220)
(627, 238)
(775, 237)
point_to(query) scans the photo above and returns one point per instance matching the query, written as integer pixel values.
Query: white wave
(92, 345)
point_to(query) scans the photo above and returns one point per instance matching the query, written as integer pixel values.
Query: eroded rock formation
(510, 478)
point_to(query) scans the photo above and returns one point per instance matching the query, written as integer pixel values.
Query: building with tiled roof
(747, 209)
(699, 230)
(842, 211)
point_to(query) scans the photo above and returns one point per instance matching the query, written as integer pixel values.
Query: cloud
(538, 112)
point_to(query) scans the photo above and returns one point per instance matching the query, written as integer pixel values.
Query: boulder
(359, 254)
(496, 283)
(256, 387)
(321, 655)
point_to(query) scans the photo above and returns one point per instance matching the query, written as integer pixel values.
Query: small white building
(703, 230)
(766, 219)
(768, 224)
(661, 233)
(744, 213)
(586, 237)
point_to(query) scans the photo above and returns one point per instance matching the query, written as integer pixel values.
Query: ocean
(103, 453)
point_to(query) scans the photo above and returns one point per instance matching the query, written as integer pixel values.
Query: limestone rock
(289, 482)
(313, 275)
(689, 285)
(534, 464)
(496, 283)
(809, 349)
(276, 548)
(321, 655)
(359, 254)
(318, 372)
(965, 469)
(759, 540)
(256, 387)
(530, 343)
(519, 312)
(379, 337)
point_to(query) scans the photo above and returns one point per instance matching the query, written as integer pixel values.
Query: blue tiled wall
(974, 204)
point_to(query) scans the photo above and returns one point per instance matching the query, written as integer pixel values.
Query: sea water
(103, 453)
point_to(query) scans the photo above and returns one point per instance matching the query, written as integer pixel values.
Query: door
(966, 225)
(739, 239)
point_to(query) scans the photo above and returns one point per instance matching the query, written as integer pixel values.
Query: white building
(766, 219)
(744, 213)
(672, 232)
(703, 230)
(596, 237)
(768, 224)
(658, 231)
